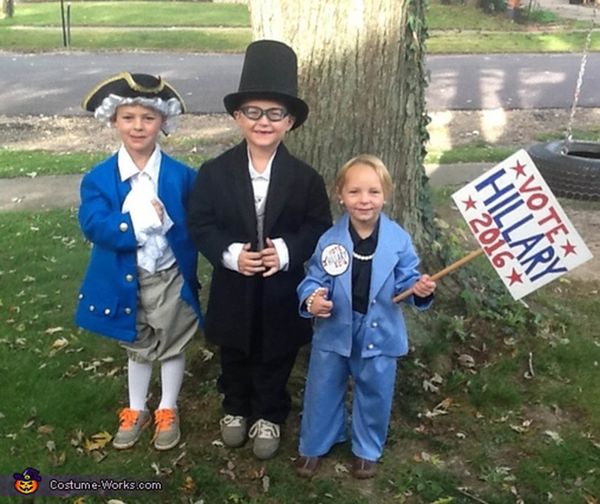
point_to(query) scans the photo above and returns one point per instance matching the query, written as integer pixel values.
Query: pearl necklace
(361, 257)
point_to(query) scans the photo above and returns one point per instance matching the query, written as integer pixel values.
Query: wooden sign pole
(444, 272)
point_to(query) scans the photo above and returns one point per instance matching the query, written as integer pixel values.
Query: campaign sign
(519, 224)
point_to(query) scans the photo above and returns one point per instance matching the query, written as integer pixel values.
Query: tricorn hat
(270, 71)
(131, 85)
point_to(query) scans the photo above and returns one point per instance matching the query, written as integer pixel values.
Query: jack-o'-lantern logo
(28, 481)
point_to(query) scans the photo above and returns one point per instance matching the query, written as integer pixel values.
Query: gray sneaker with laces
(266, 438)
(233, 430)
(131, 425)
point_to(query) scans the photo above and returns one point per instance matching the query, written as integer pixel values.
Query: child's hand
(270, 259)
(160, 211)
(250, 263)
(318, 305)
(424, 286)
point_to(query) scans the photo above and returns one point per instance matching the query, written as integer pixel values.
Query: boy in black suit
(256, 213)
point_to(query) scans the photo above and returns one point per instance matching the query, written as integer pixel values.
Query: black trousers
(253, 388)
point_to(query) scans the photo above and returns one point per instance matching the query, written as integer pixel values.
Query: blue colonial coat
(394, 270)
(108, 296)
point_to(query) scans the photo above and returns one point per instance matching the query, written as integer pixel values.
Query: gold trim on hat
(135, 87)
(141, 89)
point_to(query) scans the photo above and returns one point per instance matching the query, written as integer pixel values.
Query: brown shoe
(307, 467)
(363, 468)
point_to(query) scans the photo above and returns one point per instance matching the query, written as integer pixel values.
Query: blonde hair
(369, 160)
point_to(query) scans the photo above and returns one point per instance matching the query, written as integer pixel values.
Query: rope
(586, 49)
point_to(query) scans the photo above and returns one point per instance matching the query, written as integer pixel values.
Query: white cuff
(282, 252)
(231, 256)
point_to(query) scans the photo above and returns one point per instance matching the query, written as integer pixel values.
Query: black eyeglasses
(274, 114)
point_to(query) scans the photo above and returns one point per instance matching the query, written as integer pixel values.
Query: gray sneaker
(131, 425)
(167, 433)
(233, 430)
(266, 438)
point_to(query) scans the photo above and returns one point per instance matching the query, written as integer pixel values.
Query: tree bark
(8, 8)
(361, 71)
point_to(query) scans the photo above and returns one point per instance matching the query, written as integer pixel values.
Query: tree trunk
(361, 71)
(8, 8)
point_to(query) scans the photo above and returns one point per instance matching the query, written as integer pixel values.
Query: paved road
(55, 83)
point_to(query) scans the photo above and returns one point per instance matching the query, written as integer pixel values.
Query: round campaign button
(335, 259)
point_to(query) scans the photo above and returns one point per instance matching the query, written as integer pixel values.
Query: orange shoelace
(164, 418)
(128, 418)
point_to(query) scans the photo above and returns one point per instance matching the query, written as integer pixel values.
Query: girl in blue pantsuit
(359, 265)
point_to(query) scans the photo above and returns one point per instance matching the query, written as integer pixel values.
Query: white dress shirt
(154, 253)
(260, 188)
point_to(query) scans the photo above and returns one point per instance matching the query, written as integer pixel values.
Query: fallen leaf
(98, 456)
(45, 429)
(58, 459)
(555, 436)
(77, 439)
(428, 386)
(52, 330)
(227, 472)
(266, 483)
(189, 485)
(178, 459)
(97, 441)
(207, 354)
(466, 360)
(518, 428)
(341, 468)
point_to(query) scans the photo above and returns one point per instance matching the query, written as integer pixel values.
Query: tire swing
(571, 168)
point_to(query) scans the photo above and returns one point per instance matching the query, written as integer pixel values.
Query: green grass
(18, 163)
(467, 17)
(115, 39)
(480, 151)
(225, 28)
(592, 135)
(64, 385)
(132, 14)
(474, 152)
(33, 163)
(499, 42)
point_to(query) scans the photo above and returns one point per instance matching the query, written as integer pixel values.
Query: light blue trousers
(324, 415)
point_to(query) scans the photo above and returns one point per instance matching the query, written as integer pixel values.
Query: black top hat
(270, 72)
(128, 85)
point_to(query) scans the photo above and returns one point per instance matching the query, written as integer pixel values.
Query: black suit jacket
(221, 211)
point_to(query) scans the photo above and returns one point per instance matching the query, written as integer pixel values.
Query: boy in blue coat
(140, 286)
(359, 265)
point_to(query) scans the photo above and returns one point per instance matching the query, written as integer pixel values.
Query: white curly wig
(170, 109)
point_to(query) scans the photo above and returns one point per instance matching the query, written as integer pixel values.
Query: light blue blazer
(394, 270)
(108, 296)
